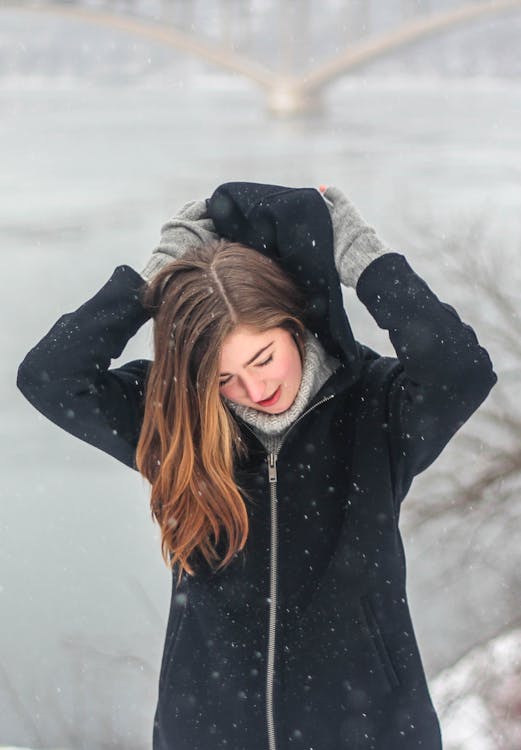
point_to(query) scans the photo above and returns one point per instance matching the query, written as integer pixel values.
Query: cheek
(231, 392)
(290, 368)
(226, 390)
(296, 366)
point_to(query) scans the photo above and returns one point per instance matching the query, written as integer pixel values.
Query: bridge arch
(409, 33)
(286, 95)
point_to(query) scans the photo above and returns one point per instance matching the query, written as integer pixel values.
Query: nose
(254, 387)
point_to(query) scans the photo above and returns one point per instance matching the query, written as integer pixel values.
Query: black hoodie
(305, 641)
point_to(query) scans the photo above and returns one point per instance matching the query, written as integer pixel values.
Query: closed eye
(260, 364)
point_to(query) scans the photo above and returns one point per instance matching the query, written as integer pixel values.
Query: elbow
(470, 376)
(485, 367)
(24, 378)
(29, 379)
(492, 380)
(492, 377)
(25, 382)
(480, 378)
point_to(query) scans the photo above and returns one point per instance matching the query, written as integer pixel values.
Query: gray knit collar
(317, 367)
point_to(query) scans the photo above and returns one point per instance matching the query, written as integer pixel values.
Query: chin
(281, 408)
(277, 408)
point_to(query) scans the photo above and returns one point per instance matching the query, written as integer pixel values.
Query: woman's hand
(190, 226)
(356, 242)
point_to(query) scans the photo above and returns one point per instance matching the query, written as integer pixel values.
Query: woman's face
(256, 366)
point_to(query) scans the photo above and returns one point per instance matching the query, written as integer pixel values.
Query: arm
(66, 375)
(441, 375)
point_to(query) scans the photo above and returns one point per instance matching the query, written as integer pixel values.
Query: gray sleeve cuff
(155, 263)
(356, 244)
(365, 248)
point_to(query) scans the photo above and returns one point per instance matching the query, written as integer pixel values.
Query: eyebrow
(252, 359)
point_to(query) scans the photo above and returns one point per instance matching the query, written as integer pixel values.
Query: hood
(293, 227)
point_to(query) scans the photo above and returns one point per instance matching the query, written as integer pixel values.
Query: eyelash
(261, 364)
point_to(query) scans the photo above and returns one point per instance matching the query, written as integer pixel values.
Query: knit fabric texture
(356, 243)
(188, 228)
(317, 367)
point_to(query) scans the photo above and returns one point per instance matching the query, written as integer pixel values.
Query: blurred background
(113, 115)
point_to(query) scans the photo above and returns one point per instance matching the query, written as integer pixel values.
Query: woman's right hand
(190, 226)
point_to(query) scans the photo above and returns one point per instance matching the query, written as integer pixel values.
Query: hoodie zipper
(272, 477)
(271, 458)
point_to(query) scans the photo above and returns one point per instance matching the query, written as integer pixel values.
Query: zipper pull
(272, 467)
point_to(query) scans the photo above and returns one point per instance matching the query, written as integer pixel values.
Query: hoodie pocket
(379, 644)
(177, 611)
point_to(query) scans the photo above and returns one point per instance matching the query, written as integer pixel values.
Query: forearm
(82, 343)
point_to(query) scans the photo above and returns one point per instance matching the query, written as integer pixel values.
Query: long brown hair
(189, 438)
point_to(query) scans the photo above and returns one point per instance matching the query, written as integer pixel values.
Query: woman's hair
(189, 439)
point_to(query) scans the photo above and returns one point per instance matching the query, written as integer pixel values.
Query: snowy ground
(479, 698)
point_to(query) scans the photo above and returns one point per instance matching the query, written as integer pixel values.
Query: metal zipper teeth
(271, 458)
(272, 475)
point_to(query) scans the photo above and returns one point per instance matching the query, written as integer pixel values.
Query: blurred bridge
(279, 44)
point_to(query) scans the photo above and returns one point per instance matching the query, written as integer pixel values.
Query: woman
(279, 450)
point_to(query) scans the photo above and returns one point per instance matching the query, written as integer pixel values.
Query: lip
(272, 400)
